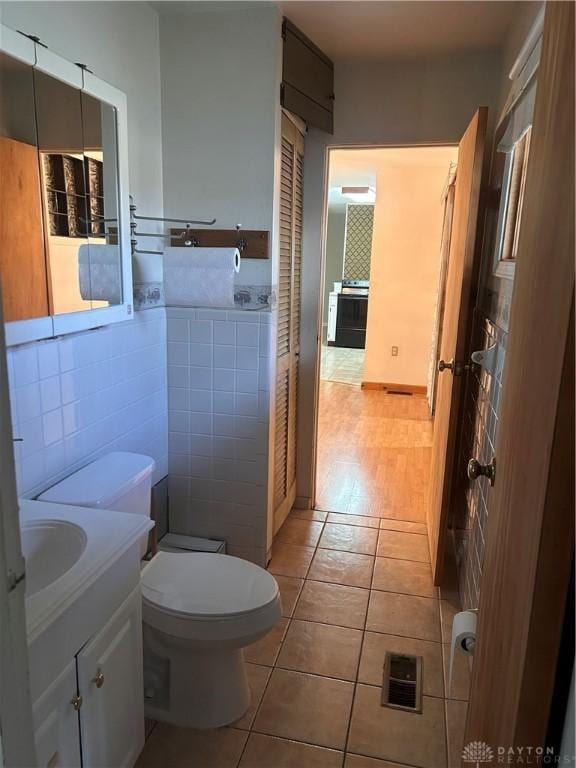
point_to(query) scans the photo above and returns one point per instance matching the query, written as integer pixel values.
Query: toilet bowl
(203, 632)
(199, 609)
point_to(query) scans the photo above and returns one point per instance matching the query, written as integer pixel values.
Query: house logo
(477, 752)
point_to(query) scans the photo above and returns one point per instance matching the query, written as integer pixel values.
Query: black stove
(352, 314)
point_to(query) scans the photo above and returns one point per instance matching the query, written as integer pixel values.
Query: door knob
(455, 366)
(76, 702)
(476, 470)
(99, 679)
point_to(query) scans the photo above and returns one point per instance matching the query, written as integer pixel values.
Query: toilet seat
(205, 596)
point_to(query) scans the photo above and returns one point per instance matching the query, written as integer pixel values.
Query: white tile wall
(219, 394)
(78, 397)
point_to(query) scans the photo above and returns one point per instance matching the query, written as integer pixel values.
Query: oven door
(351, 321)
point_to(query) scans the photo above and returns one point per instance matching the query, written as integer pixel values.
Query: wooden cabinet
(93, 713)
(307, 79)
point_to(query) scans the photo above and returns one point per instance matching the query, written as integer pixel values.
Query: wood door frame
(530, 534)
(305, 502)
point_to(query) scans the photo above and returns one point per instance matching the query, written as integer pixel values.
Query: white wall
(119, 43)
(220, 101)
(405, 264)
(387, 102)
(75, 398)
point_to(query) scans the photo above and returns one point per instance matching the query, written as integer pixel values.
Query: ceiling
(359, 167)
(370, 29)
(359, 29)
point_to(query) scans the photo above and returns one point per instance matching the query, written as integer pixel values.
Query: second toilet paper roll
(200, 277)
(463, 637)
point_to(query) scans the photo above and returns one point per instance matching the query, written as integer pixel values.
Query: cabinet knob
(76, 702)
(99, 679)
(476, 470)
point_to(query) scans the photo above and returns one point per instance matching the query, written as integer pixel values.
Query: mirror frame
(25, 331)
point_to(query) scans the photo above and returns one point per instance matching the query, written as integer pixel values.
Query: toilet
(199, 609)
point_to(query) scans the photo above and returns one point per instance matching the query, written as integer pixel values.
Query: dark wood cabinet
(307, 79)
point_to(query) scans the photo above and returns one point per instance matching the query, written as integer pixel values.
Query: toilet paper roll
(463, 637)
(200, 277)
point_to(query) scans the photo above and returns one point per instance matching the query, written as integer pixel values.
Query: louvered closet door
(288, 337)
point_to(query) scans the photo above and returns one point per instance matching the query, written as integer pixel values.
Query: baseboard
(302, 502)
(404, 389)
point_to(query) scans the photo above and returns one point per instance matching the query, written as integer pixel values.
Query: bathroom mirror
(65, 259)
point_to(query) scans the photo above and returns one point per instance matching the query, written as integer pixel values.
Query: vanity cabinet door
(110, 682)
(56, 727)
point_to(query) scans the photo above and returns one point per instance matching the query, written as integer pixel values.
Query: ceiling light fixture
(360, 194)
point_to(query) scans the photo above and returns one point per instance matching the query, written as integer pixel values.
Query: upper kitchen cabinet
(65, 257)
(307, 79)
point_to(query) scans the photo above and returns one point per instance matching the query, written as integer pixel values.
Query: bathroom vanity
(84, 628)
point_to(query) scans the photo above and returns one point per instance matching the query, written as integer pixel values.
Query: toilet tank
(120, 481)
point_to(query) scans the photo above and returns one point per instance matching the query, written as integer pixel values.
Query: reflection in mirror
(61, 149)
(100, 260)
(79, 169)
(22, 256)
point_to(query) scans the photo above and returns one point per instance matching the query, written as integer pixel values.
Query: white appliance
(199, 609)
(332, 315)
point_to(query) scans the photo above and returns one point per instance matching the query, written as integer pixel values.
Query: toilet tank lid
(103, 481)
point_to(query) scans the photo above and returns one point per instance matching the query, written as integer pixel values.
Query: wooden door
(454, 332)
(288, 323)
(530, 532)
(110, 681)
(22, 257)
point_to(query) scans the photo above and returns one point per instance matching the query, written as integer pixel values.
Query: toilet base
(193, 688)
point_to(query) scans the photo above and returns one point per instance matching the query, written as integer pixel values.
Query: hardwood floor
(373, 453)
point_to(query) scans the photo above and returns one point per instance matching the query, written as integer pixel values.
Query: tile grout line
(358, 665)
(274, 666)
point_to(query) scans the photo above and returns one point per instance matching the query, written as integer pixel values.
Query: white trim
(15, 703)
(533, 36)
(55, 66)
(17, 45)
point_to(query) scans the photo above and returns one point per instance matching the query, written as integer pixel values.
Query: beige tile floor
(355, 582)
(350, 592)
(341, 364)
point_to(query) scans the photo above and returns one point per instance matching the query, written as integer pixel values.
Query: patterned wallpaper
(358, 245)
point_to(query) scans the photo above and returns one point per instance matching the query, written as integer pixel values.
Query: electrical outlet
(394, 351)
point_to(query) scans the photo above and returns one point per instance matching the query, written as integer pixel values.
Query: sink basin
(50, 548)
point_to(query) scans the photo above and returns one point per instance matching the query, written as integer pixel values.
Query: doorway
(386, 250)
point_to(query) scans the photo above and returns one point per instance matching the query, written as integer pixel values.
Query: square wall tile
(247, 334)
(201, 354)
(200, 332)
(224, 356)
(224, 332)
(247, 358)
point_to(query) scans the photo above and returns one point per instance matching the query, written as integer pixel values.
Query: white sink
(51, 548)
